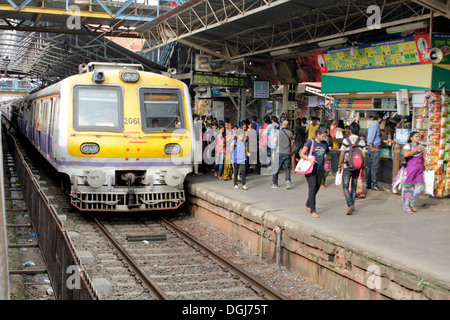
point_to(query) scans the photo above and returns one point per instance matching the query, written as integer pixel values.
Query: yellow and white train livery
(122, 137)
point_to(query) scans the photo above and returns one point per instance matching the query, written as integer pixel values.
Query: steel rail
(255, 284)
(153, 287)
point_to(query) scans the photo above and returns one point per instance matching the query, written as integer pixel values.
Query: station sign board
(214, 79)
(261, 89)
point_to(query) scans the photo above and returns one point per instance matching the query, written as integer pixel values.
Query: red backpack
(355, 156)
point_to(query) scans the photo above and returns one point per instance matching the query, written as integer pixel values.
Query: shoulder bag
(305, 166)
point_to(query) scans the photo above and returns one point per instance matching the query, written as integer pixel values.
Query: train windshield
(98, 108)
(161, 110)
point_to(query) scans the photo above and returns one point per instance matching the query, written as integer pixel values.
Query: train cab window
(98, 108)
(161, 110)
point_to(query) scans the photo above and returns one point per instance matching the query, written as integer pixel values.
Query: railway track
(139, 257)
(172, 264)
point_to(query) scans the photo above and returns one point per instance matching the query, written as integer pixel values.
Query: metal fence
(69, 278)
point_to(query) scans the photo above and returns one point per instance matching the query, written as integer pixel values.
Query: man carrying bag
(351, 161)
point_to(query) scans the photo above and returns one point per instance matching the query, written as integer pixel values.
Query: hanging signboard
(442, 41)
(215, 79)
(354, 103)
(395, 53)
(261, 89)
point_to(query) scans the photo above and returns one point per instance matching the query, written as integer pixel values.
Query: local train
(120, 136)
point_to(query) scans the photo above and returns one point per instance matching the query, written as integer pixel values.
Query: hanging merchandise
(202, 107)
(435, 110)
(446, 125)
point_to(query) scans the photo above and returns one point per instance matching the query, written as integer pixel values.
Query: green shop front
(393, 77)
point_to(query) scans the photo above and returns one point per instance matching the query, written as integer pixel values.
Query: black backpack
(355, 156)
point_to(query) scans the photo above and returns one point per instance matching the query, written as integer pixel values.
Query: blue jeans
(373, 163)
(219, 163)
(346, 176)
(285, 162)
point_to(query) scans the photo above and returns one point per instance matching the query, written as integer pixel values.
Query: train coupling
(132, 200)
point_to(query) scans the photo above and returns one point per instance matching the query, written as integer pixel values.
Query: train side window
(98, 108)
(161, 109)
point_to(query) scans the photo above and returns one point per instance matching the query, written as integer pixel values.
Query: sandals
(313, 214)
(361, 196)
(414, 209)
(409, 212)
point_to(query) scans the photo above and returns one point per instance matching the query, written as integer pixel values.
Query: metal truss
(194, 24)
(117, 18)
(57, 56)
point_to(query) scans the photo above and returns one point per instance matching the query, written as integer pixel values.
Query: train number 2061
(131, 120)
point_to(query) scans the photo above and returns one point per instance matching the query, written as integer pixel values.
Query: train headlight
(172, 149)
(129, 76)
(89, 148)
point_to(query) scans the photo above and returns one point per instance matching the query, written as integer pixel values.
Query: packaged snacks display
(434, 121)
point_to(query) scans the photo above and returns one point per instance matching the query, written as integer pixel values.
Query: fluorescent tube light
(406, 27)
(371, 92)
(332, 42)
(280, 52)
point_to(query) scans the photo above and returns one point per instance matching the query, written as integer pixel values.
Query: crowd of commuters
(235, 151)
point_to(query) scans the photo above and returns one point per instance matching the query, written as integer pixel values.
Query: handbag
(305, 166)
(338, 179)
(403, 162)
(397, 182)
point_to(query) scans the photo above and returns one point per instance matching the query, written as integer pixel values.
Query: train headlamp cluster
(89, 148)
(129, 76)
(172, 149)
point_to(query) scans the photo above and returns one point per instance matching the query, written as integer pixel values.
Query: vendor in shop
(388, 133)
(389, 127)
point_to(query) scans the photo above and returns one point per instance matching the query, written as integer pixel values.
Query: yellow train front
(122, 136)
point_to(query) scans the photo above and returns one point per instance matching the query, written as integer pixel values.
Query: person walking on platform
(228, 166)
(312, 128)
(299, 141)
(271, 131)
(263, 140)
(374, 142)
(239, 158)
(220, 152)
(284, 141)
(414, 184)
(349, 174)
(314, 179)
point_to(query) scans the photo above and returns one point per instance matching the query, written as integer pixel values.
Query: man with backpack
(352, 160)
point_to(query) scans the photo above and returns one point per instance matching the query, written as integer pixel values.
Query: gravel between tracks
(286, 282)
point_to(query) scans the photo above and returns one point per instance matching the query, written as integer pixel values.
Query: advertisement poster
(442, 41)
(401, 52)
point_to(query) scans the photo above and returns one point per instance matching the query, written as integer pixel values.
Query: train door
(46, 125)
(37, 117)
(51, 130)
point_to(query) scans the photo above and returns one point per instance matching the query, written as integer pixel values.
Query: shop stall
(404, 79)
(362, 109)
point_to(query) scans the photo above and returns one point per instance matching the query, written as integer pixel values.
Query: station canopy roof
(234, 29)
(46, 39)
(36, 37)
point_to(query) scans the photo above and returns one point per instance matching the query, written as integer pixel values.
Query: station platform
(380, 248)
